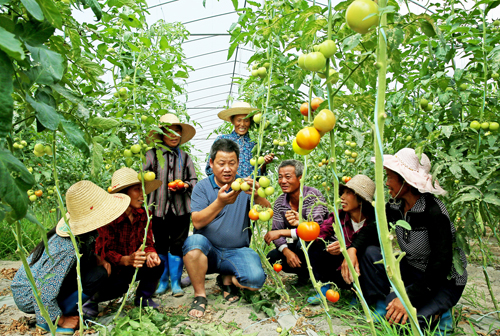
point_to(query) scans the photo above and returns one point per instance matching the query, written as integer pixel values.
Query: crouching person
(221, 239)
(91, 208)
(119, 243)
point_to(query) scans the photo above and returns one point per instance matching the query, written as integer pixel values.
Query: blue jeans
(242, 262)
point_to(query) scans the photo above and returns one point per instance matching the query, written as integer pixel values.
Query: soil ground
(475, 303)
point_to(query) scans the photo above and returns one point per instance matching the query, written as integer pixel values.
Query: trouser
(376, 286)
(170, 233)
(326, 266)
(119, 281)
(93, 278)
(274, 255)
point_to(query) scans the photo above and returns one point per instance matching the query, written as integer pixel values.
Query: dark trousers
(170, 233)
(326, 266)
(376, 286)
(93, 277)
(302, 272)
(121, 276)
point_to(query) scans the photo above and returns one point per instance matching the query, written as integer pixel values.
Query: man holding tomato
(221, 239)
(286, 219)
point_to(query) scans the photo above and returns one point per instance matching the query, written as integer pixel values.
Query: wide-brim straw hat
(362, 185)
(89, 208)
(416, 173)
(235, 109)
(126, 177)
(170, 119)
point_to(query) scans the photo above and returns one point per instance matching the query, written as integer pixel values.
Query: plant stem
(31, 279)
(71, 235)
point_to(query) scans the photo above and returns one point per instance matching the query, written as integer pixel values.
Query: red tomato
(308, 231)
(172, 185)
(39, 193)
(308, 138)
(347, 179)
(253, 214)
(180, 185)
(332, 296)
(304, 109)
(277, 267)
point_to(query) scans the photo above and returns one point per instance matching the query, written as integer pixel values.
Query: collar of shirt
(286, 199)
(245, 136)
(166, 149)
(215, 185)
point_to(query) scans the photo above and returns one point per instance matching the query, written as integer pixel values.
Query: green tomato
(253, 161)
(262, 72)
(266, 65)
(354, 155)
(301, 61)
(261, 160)
(235, 185)
(485, 125)
(261, 192)
(351, 160)
(347, 152)
(282, 143)
(245, 186)
(493, 126)
(475, 125)
(269, 191)
(33, 198)
(275, 142)
(353, 144)
(348, 143)
(127, 78)
(48, 150)
(30, 169)
(50, 191)
(30, 192)
(328, 48)
(315, 61)
(16, 145)
(135, 149)
(257, 118)
(495, 75)
(423, 103)
(463, 86)
(129, 161)
(264, 215)
(144, 118)
(316, 47)
(39, 148)
(408, 138)
(38, 154)
(255, 73)
(496, 23)
(24, 143)
(127, 153)
(264, 182)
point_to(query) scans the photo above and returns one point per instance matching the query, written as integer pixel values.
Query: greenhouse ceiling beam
(199, 80)
(208, 53)
(207, 88)
(212, 65)
(217, 101)
(210, 34)
(212, 95)
(161, 4)
(208, 17)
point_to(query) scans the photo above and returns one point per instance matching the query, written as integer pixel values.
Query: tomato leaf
(74, 135)
(11, 45)
(16, 180)
(403, 224)
(96, 8)
(473, 195)
(103, 123)
(34, 9)
(492, 199)
(457, 261)
(97, 153)
(82, 111)
(51, 63)
(471, 169)
(45, 114)
(6, 88)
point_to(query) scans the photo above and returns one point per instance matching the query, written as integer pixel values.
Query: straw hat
(362, 185)
(188, 131)
(126, 177)
(416, 173)
(90, 207)
(235, 109)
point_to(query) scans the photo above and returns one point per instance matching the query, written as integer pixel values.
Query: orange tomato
(110, 189)
(332, 296)
(253, 214)
(347, 179)
(308, 231)
(271, 211)
(180, 185)
(38, 193)
(304, 109)
(277, 267)
(308, 138)
(172, 185)
(315, 103)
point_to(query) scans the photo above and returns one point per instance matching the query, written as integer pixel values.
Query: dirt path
(474, 303)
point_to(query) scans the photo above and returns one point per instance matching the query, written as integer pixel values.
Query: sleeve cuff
(282, 247)
(293, 232)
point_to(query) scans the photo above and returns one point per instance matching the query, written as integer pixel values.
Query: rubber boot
(316, 299)
(175, 265)
(445, 323)
(163, 284)
(379, 311)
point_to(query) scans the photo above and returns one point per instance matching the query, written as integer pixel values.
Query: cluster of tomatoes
(351, 155)
(257, 212)
(316, 60)
(346, 179)
(260, 71)
(308, 138)
(485, 125)
(33, 195)
(176, 185)
(40, 149)
(264, 190)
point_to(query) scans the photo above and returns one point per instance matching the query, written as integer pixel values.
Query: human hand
(292, 259)
(70, 322)
(333, 248)
(137, 259)
(272, 235)
(344, 268)
(227, 197)
(102, 262)
(292, 217)
(152, 259)
(249, 180)
(396, 312)
(268, 158)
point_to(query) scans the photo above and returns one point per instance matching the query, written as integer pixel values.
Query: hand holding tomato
(249, 181)
(396, 312)
(292, 217)
(227, 197)
(346, 274)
